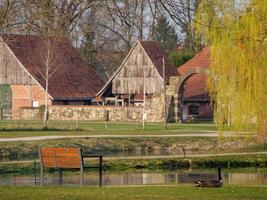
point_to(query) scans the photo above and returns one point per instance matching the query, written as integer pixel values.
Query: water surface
(141, 178)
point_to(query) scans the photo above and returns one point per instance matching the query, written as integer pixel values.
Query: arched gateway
(191, 72)
(193, 106)
(176, 90)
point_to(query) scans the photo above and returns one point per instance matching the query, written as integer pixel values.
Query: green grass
(33, 133)
(181, 192)
(11, 129)
(57, 126)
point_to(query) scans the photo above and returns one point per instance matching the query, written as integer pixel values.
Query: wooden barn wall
(11, 71)
(131, 77)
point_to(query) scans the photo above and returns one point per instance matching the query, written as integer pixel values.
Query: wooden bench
(65, 158)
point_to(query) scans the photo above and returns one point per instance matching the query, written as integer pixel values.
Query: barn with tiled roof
(140, 72)
(22, 58)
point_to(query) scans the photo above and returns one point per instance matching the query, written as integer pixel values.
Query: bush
(178, 58)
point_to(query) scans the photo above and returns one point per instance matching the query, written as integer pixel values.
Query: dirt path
(54, 137)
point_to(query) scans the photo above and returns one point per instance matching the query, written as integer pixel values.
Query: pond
(242, 177)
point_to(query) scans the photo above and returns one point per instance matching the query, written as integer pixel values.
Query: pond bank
(120, 164)
(141, 146)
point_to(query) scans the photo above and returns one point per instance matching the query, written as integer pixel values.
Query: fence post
(106, 118)
(60, 176)
(41, 169)
(81, 169)
(1, 113)
(100, 170)
(35, 182)
(184, 151)
(14, 180)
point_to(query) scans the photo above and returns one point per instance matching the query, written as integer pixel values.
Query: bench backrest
(68, 158)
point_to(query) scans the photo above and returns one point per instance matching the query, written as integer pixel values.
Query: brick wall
(23, 95)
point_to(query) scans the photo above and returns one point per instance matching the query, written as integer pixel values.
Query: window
(193, 109)
(65, 102)
(87, 102)
(35, 104)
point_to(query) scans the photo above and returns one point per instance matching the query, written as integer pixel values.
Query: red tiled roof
(195, 86)
(156, 53)
(73, 79)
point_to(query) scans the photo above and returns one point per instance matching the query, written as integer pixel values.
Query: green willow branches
(238, 83)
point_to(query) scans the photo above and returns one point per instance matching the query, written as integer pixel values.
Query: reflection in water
(91, 178)
(249, 178)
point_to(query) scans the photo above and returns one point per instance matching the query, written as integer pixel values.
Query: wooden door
(5, 102)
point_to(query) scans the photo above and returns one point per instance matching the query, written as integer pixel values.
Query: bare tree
(4, 8)
(53, 15)
(182, 13)
(115, 25)
(9, 15)
(48, 66)
(124, 21)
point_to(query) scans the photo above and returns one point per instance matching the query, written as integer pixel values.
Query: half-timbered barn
(22, 83)
(193, 95)
(142, 72)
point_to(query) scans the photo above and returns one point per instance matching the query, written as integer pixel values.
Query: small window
(87, 102)
(193, 110)
(35, 104)
(65, 102)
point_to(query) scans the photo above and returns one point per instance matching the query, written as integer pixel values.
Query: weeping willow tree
(236, 32)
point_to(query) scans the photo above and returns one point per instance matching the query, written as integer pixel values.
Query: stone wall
(27, 113)
(100, 113)
(94, 113)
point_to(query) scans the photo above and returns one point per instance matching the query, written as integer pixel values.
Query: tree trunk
(46, 102)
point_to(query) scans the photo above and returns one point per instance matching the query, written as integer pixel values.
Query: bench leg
(81, 176)
(60, 177)
(42, 176)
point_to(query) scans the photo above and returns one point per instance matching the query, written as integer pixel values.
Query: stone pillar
(173, 90)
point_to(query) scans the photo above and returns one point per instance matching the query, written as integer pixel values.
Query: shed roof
(73, 79)
(195, 86)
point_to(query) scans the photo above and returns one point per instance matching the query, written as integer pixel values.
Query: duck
(211, 183)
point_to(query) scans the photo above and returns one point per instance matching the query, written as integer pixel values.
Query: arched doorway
(5, 102)
(195, 107)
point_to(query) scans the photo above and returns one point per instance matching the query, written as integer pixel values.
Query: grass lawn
(183, 192)
(35, 128)
(33, 133)
(100, 125)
